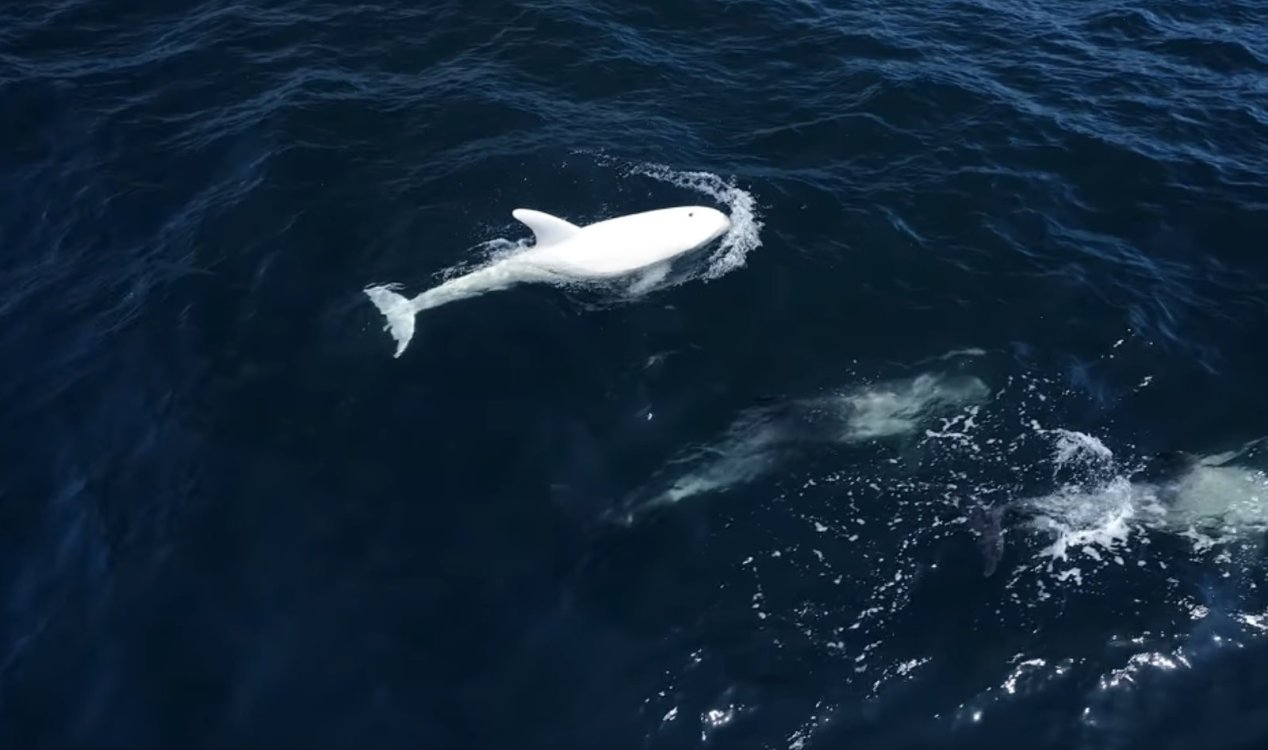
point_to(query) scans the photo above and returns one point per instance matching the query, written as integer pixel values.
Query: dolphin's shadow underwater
(564, 253)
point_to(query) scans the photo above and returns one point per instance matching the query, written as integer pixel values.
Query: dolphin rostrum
(563, 253)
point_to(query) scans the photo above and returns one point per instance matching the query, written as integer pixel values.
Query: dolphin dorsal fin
(547, 229)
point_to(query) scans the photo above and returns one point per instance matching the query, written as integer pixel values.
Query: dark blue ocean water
(953, 441)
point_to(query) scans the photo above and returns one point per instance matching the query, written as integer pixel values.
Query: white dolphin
(564, 252)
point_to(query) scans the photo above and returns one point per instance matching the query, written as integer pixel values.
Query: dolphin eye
(690, 214)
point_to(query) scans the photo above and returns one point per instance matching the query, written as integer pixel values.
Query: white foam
(1099, 508)
(1258, 622)
(1029, 665)
(1103, 517)
(1079, 448)
(1139, 663)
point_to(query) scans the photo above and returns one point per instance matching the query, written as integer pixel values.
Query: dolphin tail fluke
(399, 312)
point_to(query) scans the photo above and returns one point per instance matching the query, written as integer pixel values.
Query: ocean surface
(956, 439)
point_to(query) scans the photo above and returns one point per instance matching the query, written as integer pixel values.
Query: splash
(1098, 510)
(860, 540)
(1099, 522)
(1079, 449)
(745, 234)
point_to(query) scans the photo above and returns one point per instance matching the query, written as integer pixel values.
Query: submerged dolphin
(1193, 493)
(564, 252)
(988, 523)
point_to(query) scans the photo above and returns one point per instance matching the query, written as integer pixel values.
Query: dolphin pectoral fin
(547, 229)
